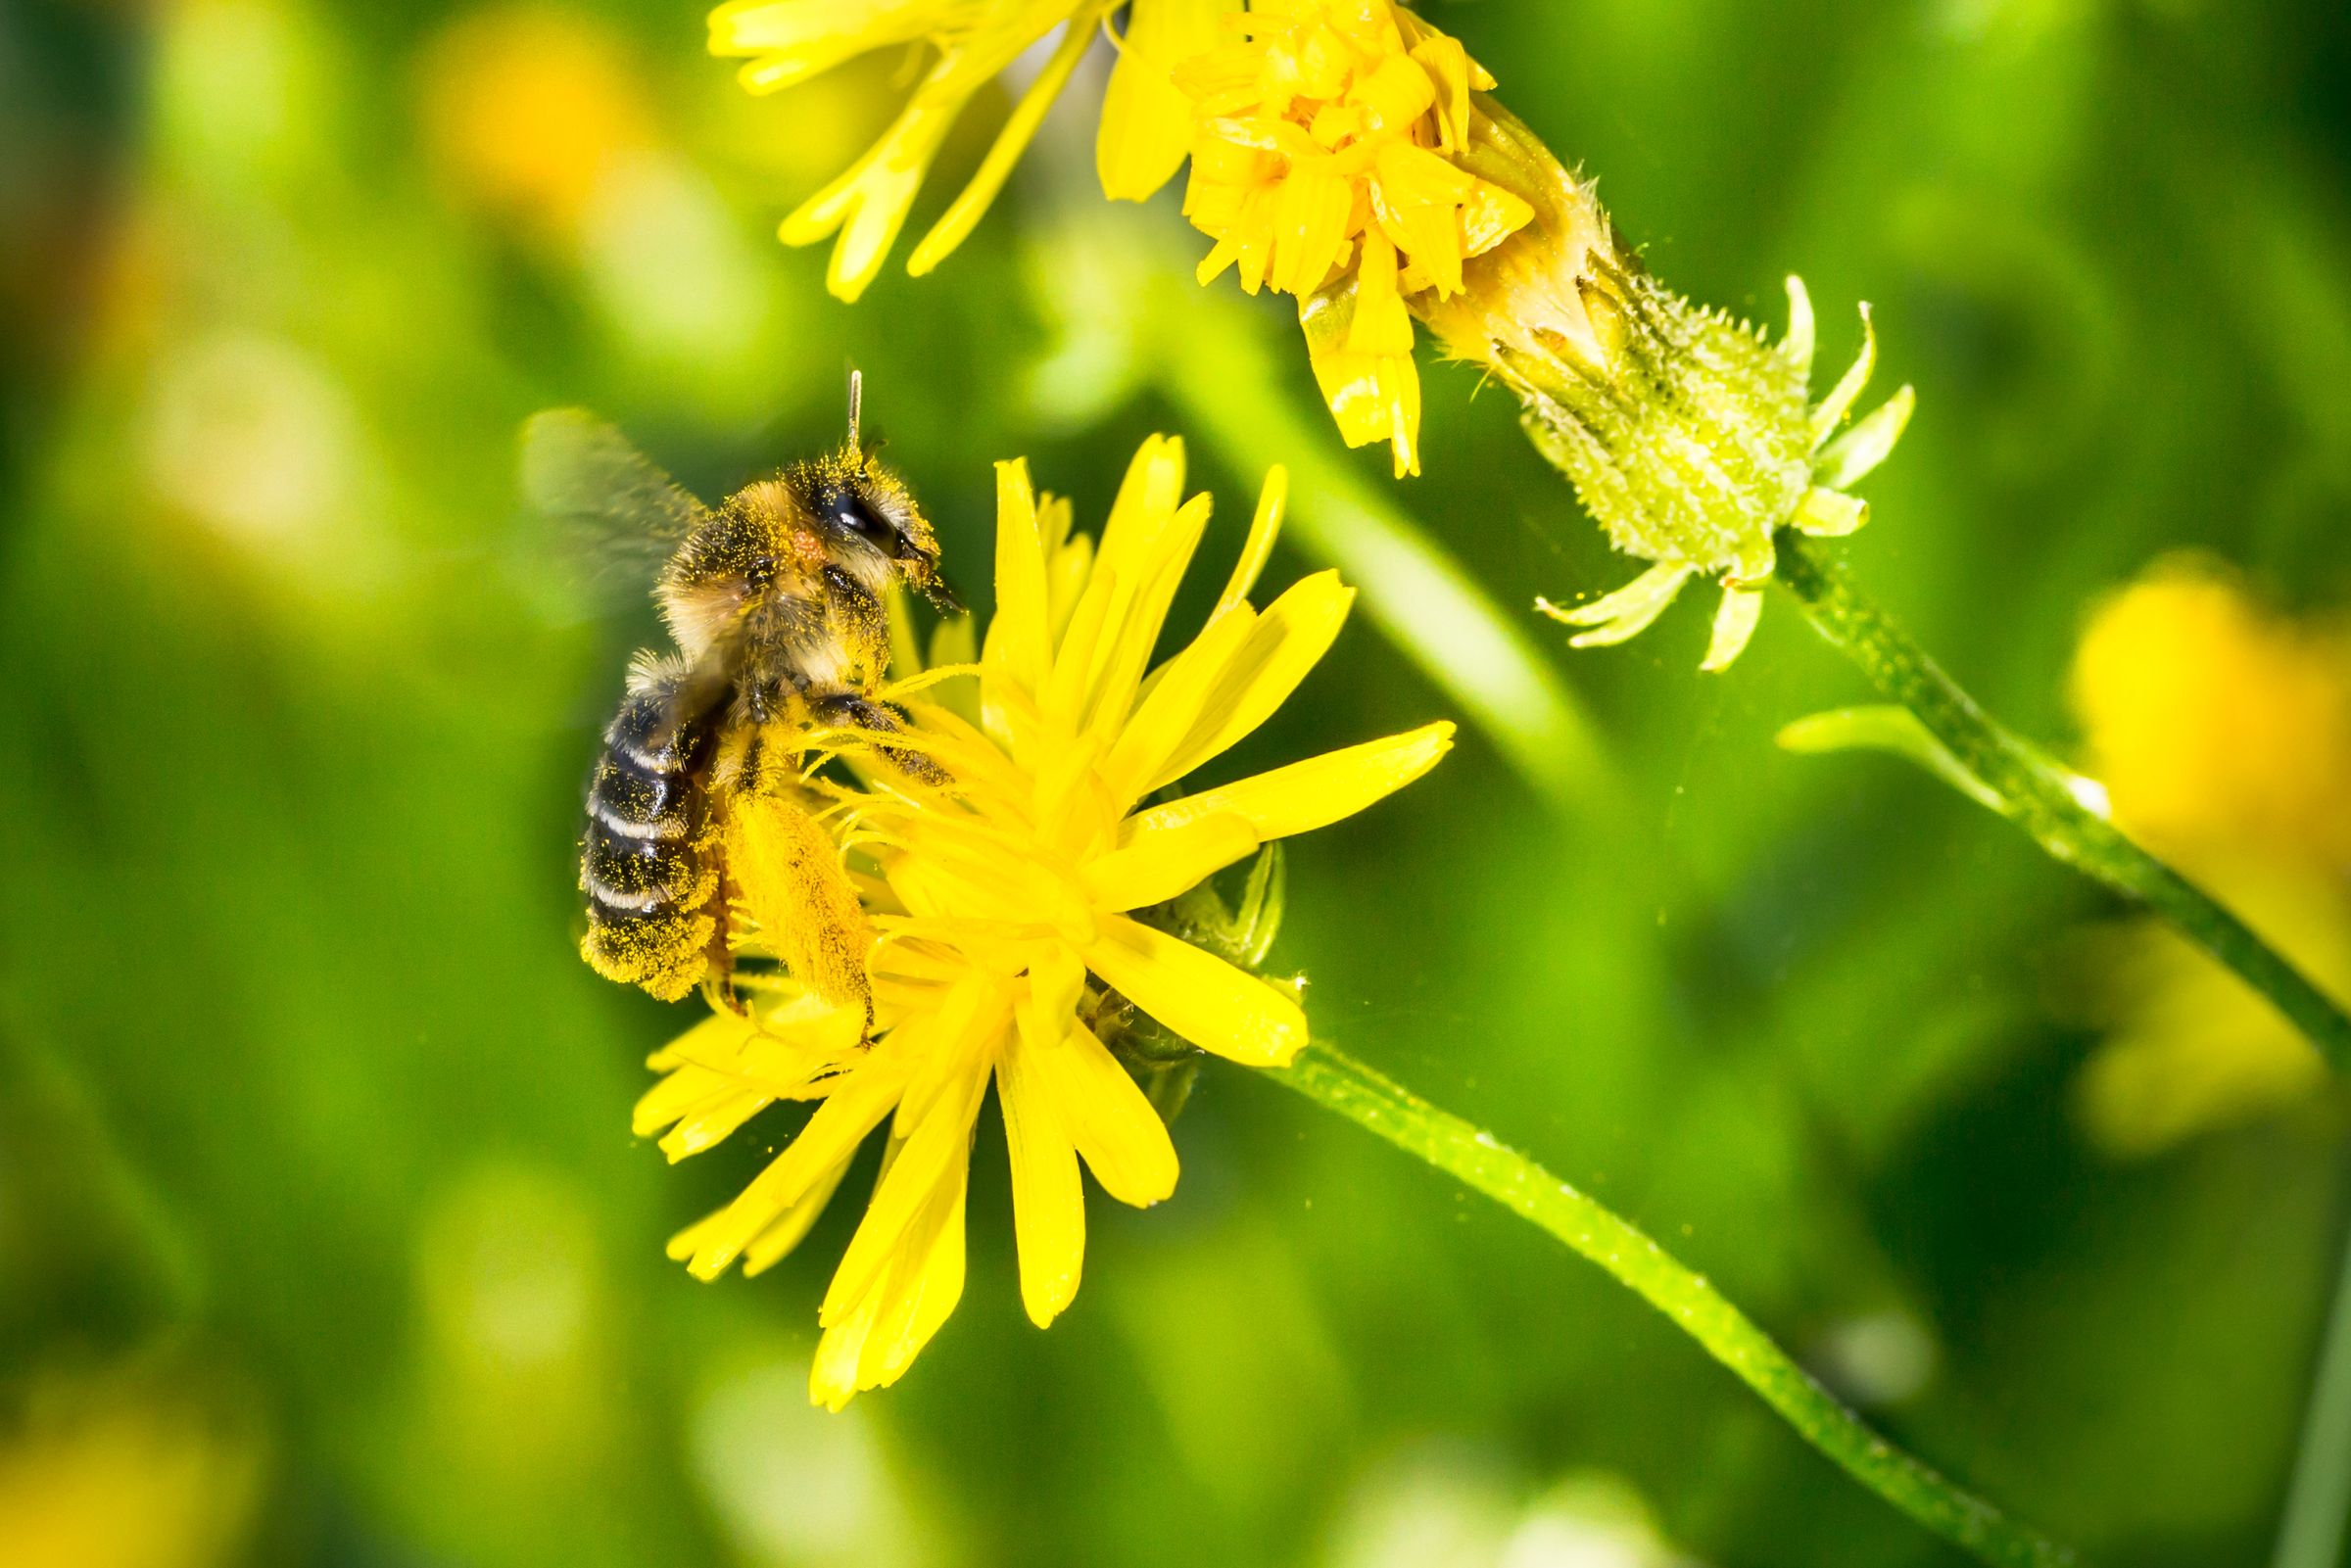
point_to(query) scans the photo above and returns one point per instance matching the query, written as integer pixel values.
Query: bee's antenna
(856, 405)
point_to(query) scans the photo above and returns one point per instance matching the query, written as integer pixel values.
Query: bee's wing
(615, 518)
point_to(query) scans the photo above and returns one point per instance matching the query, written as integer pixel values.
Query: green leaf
(1888, 728)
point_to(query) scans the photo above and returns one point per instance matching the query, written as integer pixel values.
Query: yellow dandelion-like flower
(1326, 165)
(2222, 734)
(1014, 912)
(963, 45)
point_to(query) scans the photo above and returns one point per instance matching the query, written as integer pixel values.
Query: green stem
(2318, 1499)
(2042, 797)
(1337, 1082)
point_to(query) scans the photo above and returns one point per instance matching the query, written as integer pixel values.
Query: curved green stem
(2318, 1500)
(2042, 797)
(1337, 1082)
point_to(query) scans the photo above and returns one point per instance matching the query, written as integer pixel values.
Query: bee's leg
(718, 979)
(855, 708)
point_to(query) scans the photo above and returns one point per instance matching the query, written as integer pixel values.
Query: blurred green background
(322, 1239)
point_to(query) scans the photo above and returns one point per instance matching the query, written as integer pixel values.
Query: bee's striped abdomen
(648, 863)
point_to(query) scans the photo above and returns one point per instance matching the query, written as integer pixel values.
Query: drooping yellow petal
(789, 1229)
(1048, 1208)
(854, 1108)
(868, 205)
(1198, 995)
(873, 1345)
(1372, 397)
(1119, 1134)
(933, 1153)
(1146, 124)
(1309, 794)
(955, 225)
(1381, 325)
(791, 40)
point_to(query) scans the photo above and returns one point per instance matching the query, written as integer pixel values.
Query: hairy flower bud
(1689, 435)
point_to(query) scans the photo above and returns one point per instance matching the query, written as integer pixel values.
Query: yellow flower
(2222, 734)
(1013, 913)
(1326, 165)
(2188, 1049)
(964, 45)
(530, 110)
(2211, 722)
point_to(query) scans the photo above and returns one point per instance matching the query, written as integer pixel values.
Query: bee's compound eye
(855, 516)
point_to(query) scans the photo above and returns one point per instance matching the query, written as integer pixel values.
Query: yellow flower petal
(1198, 995)
(1121, 661)
(1288, 639)
(1147, 119)
(1017, 639)
(1048, 1208)
(1154, 864)
(963, 215)
(871, 1346)
(1381, 324)
(793, 40)
(1372, 397)
(869, 203)
(1173, 706)
(789, 1229)
(1263, 529)
(1056, 985)
(1310, 230)
(1309, 794)
(1120, 1136)
(933, 1153)
(855, 1108)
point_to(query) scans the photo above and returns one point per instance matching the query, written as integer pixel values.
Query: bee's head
(868, 515)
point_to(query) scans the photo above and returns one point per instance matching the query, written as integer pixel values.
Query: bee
(775, 603)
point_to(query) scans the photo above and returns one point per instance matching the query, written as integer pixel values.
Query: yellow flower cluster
(1325, 139)
(1327, 166)
(2222, 734)
(1006, 909)
(1345, 152)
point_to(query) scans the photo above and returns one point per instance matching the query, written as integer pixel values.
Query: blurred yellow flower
(528, 110)
(2214, 724)
(106, 1477)
(2222, 734)
(1325, 163)
(1013, 913)
(964, 44)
